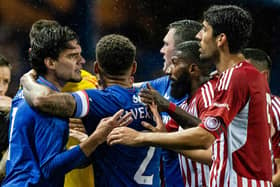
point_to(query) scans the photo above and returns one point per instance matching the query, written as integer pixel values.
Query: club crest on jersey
(212, 124)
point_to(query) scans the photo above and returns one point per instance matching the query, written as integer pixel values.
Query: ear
(134, 67)
(194, 69)
(96, 67)
(49, 63)
(221, 39)
(266, 74)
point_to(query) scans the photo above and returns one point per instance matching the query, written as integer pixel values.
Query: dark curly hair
(115, 54)
(233, 21)
(185, 30)
(48, 39)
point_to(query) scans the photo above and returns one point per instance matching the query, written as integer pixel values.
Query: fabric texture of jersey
(238, 118)
(37, 155)
(119, 165)
(170, 160)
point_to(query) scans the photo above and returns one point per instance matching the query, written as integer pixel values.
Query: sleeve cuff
(82, 104)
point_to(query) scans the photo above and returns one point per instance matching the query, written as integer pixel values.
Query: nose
(82, 60)
(199, 35)
(162, 50)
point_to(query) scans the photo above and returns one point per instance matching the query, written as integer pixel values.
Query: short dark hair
(5, 62)
(115, 54)
(190, 51)
(185, 30)
(258, 58)
(48, 41)
(38, 26)
(233, 21)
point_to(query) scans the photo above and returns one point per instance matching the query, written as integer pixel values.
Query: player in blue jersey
(37, 155)
(175, 91)
(115, 64)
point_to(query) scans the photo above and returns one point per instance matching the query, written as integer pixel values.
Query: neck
(54, 81)
(196, 83)
(110, 80)
(226, 61)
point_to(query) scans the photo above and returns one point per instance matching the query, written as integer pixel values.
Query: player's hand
(77, 124)
(125, 136)
(78, 135)
(159, 124)
(5, 104)
(106, 125)
(30, 75)
(150, 95)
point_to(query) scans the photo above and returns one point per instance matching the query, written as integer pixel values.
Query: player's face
(5, 78)
(167, 49)
(208, 48)
(69, 63)
(180, 76)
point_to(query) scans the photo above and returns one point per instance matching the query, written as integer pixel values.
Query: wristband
(171, 107)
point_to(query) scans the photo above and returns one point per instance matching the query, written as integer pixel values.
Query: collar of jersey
(45, 82)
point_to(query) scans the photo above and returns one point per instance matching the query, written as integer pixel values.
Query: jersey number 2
(139, 177)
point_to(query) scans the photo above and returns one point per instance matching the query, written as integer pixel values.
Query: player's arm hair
(199, 155)
(276, 176)
(47, 100)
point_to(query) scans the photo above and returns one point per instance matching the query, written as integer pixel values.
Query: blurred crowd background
(143, 21)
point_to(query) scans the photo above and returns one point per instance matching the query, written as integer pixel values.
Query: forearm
(58, 104)
(183, 118)
(64, 162)
(199, 155)
(91, 143)
(194, 138)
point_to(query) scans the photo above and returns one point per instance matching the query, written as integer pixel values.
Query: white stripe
(224, 80)
(244, 181)
(254, 183)
(199, 173)
(221, 81)
(213, 169)
(228, 79)
(11, 130)
(206, 173)
(204, 98)
(262, 183)
(211, 89)
(277, 100)
(85, 105)
(222, 143)
(208, 95)
(276, 117)
(191, 172)
(268, 183)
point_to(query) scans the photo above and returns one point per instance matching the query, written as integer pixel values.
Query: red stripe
(239, 181)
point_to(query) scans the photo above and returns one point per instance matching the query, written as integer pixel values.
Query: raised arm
(184, 119)
(45, 99)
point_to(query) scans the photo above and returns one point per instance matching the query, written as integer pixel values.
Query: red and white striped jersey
(275, 101)
(239, 120)
(194, 173)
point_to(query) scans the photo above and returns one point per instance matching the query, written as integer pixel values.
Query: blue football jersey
(119, 165)
(37, 155)
(170, 161)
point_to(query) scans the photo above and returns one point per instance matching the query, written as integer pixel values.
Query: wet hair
(258, 58)
(5, 62)
(185, 30)
(115, 54)
(48, 39)
(233, 21)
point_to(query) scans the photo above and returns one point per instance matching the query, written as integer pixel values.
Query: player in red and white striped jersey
(237, 123)
(263, 63)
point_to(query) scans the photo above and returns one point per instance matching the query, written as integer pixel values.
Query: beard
(181, 86)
